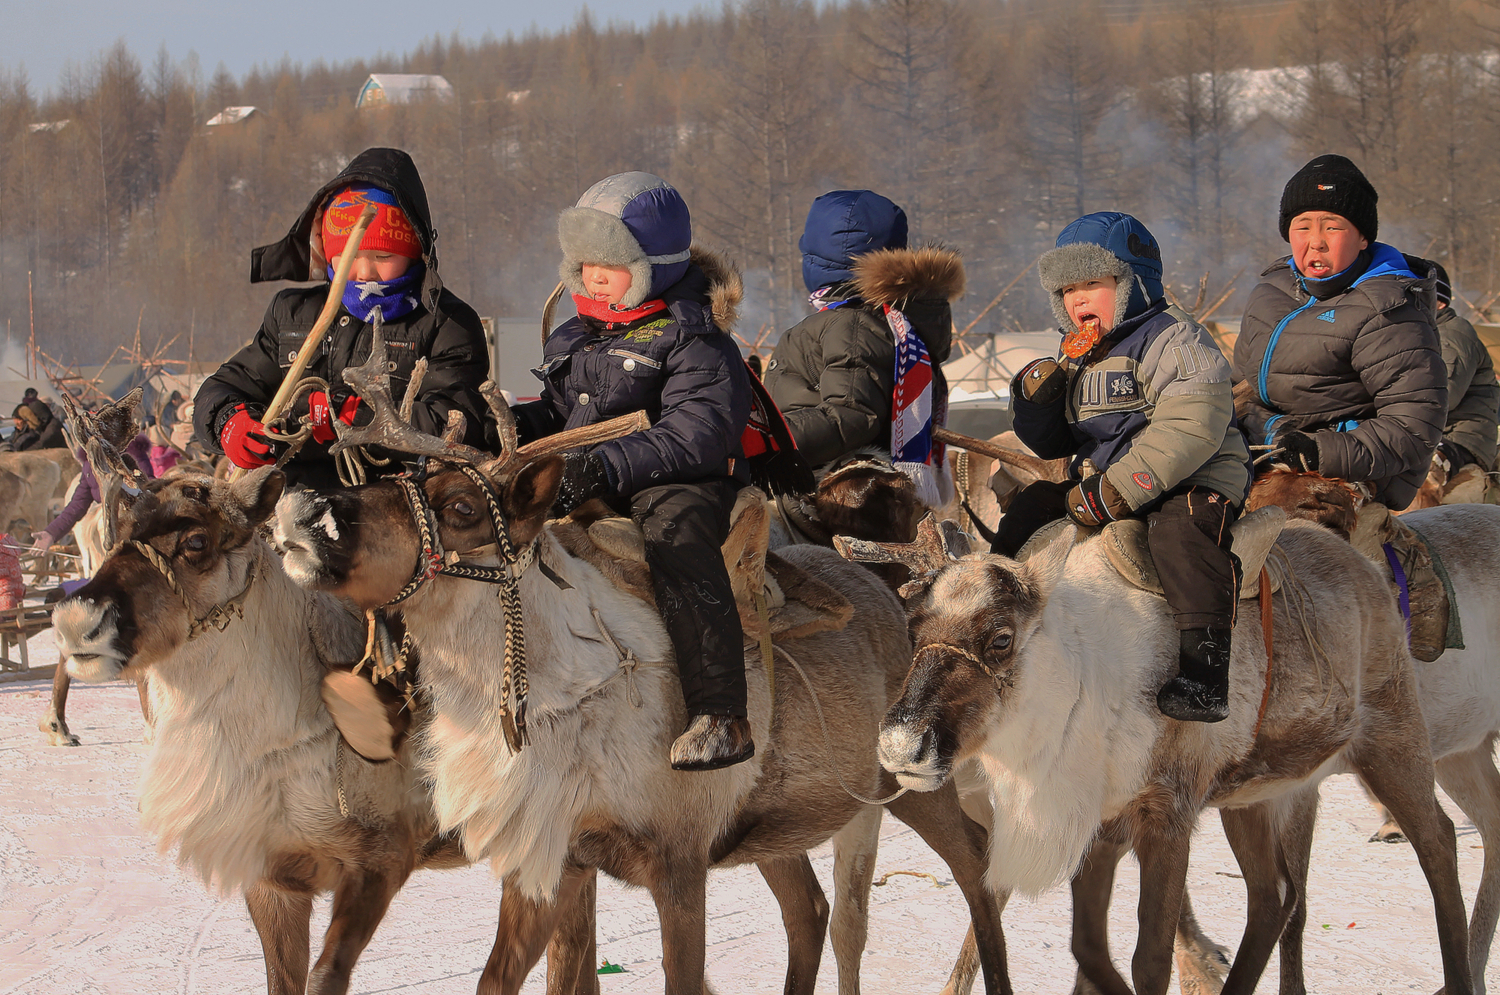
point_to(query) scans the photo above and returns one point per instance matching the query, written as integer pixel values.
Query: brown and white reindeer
(593, 787)
(1046, 672)
(247, 778)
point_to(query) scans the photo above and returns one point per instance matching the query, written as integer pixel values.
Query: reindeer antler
(391, 427)
(104, 435)
(937, 545)
(1035, 465)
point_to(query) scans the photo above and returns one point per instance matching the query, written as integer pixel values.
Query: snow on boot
(713, 741)
(1200, 691)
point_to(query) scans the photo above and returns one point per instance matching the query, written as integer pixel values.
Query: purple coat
(87, 491)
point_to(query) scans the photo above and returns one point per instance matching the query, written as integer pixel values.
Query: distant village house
(402, 88)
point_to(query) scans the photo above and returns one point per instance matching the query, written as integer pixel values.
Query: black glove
(1456, 456)
(1300, 451)
(585, 477)
(1095, 502)
(1040, 381)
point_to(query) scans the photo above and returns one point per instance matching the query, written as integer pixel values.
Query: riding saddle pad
(794, 602)
(1428, 603)
(1125, 542)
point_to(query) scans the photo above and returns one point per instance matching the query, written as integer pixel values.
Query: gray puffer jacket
(1473, 392)
(1361, 371)
(832, 374)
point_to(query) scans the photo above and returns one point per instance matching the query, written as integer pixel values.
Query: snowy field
(88, 906)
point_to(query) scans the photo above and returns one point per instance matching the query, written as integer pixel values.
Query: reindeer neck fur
(1076, 738)
(236, 712)
(595, 760)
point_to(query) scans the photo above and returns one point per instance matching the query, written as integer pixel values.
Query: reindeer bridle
(221, 614)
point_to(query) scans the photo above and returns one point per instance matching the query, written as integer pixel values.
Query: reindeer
(1045, 672)
(247, 777)
(593, 788)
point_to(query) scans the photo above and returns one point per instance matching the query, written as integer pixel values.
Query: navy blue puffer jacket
(678, 365)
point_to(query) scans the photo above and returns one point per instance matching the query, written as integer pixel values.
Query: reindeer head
(129, 616)
(366, 543)
(1309, 496)
(869, 500)
(970, 620)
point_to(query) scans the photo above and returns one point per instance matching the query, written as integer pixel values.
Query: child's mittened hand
(1095, 502)
(1040, 381)
(243, 443)
(1300, 451)
(585, 477)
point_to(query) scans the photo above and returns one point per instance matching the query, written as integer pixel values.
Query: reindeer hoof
(57, 733)
(1388, 835)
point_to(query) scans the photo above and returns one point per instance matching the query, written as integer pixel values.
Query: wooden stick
(1041, 468)
(283, 396)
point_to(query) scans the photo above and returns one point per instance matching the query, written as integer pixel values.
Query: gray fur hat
(632, 220)
(1104, 244)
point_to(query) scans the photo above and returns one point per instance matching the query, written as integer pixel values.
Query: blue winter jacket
(676, 365)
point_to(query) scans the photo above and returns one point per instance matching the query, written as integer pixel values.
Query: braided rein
(221, 614)
(431, 563)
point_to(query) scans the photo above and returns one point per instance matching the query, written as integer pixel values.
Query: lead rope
(828, 739)
(221, 614)
(514, 686)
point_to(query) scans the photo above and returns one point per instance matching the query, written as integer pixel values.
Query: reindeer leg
(1200, 961)
(1296, 832)
(1397, 765)
(804, 913)
(55, 723)
(1258, 835)
(526, 926)
(1473, 783)
(974, 798)
(571, 951)
(282, 919)
(963, 844)
(679, 888)
(1163, 856)
(359, 903)
(1092, 887)
(854, 849)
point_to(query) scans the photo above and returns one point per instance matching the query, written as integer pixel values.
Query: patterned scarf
(395, 299)
(919, 401)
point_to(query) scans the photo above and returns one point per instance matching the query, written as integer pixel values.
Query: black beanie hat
(1334, 184)
(1444, 285)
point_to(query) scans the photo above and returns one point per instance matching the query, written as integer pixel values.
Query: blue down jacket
(678, 365)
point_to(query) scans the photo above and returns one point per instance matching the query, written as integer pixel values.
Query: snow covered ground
(88, 906)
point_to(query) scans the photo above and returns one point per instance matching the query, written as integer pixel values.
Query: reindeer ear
(1044, 569)
(529, 495)
(257, 492)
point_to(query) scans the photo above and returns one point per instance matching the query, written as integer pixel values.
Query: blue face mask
(396, 298)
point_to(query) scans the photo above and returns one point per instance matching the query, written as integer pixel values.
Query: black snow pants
(1189, 539)
(685, 526)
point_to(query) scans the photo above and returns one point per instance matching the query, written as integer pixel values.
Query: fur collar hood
(895, 277)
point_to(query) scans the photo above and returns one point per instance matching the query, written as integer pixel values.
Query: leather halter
(221, 614)
(977, 661)
(432, 562)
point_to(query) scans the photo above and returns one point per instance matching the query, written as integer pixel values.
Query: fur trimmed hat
(637, 221)
(1104, 244)
(1334, 184)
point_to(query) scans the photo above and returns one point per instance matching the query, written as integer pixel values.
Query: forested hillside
(993, 123)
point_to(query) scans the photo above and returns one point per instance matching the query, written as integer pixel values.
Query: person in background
(87, 492)
(37, 425)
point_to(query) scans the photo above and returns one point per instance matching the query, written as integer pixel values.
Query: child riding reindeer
(1141, 395)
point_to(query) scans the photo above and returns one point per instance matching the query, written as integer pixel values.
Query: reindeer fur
(241, 780)
(594, 787)
(1061, 715)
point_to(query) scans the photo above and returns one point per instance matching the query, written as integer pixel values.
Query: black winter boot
(1200, 691)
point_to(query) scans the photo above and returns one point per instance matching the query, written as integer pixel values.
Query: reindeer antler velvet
(937, 545)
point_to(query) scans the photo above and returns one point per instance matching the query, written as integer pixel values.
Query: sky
(44, 36)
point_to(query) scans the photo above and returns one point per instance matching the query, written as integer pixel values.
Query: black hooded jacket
(443, 329)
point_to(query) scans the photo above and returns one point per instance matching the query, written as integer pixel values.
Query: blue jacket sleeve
(1044, 427)
(705, 404)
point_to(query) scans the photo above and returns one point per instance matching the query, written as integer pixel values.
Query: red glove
(320, 415)
(242, 442)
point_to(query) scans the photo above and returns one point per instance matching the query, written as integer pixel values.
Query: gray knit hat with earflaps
(636, 221)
